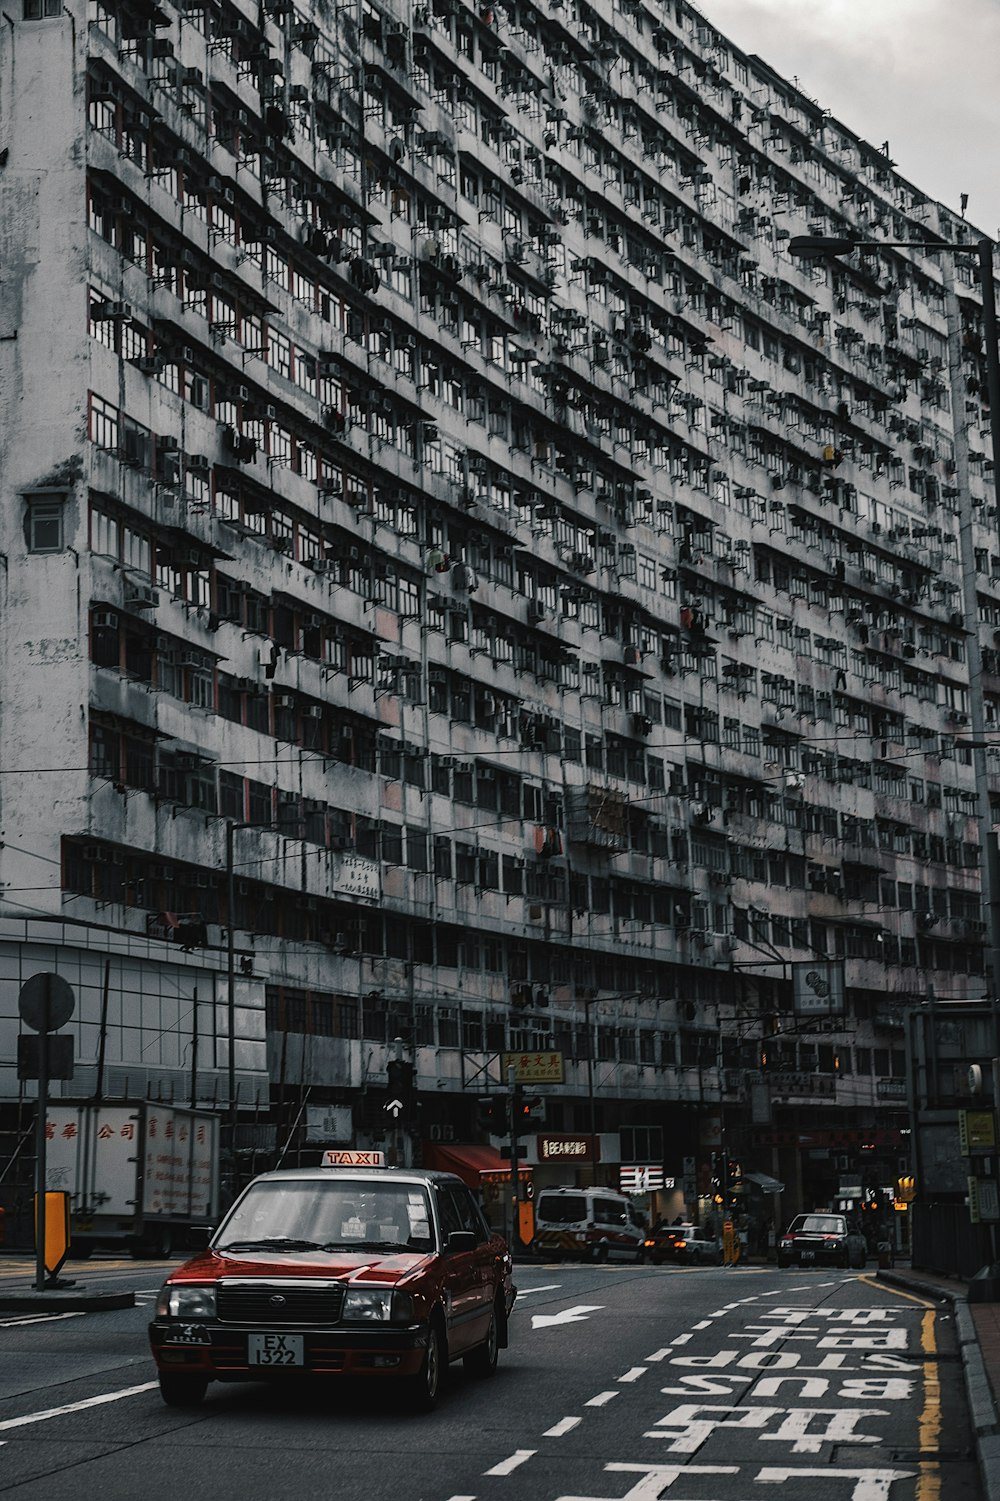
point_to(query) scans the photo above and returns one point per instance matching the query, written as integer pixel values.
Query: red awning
(475, 1165)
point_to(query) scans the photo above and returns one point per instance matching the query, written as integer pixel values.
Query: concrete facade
(418, 446)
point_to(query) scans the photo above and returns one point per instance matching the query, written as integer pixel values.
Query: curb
(929, 1289)
(979, 1395)
(65, 1302)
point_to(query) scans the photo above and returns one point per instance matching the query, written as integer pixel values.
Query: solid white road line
(507, 1465)
(550, 1287)
(633, 1373)
(564, 1425)
(601, 1400)
(40, 1318)
(57, 1412)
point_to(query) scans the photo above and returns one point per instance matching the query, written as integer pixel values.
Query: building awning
(764, 1182)
(475, 1165)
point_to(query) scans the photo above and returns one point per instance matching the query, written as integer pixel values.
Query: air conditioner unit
(106, 312)
(141, 597)
(105, 620)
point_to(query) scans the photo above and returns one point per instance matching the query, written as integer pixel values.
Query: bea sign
(569, 1149)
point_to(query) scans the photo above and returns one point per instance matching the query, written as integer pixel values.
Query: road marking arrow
(567, 1316)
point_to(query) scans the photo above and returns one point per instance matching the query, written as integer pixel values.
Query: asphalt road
(620, 1382)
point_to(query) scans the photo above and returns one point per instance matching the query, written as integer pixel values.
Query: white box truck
(139, 1174)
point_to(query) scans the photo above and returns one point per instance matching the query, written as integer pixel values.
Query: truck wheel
(156, 1246)
(182, 1391)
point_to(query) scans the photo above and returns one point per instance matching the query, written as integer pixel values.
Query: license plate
(275, 1349)
(808, 1255)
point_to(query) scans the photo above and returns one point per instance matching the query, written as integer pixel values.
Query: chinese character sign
(534, 1068)
(92, 1156)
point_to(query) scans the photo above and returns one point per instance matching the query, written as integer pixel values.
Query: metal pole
(591, 1102)
(231, 1001)
(194, 1048)
(102, 1036)
(40, 1145)
(514, 1100)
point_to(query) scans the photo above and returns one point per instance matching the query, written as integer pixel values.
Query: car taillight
(788, 1240)
(649, 1242)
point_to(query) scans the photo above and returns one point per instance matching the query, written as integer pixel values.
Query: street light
(813, 247)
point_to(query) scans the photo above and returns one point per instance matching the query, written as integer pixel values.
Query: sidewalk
(978, 1326)
(86, 1294)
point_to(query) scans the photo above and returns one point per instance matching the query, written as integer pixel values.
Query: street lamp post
(812, 247)
(231, 826)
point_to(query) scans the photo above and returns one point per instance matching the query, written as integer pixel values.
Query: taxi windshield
(310, 1215)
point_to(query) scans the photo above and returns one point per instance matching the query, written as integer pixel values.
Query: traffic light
(400, 1101)
(530, 1111)
(491, 1114)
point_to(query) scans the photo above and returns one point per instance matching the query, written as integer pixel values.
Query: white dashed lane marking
(660, 1354)
(506, 1466)
(601, 1400)
(633, 1373)
(682, 1339)
(564, 1425)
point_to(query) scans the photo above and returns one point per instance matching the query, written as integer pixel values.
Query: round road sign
(46, 1002)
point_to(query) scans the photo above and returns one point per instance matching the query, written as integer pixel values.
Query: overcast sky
(922, 74)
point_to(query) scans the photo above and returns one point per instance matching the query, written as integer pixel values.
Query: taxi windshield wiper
(272, 1243)
(366, 1245)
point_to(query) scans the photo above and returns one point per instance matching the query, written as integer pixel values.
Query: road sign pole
(514, 1099)
(40, 1153)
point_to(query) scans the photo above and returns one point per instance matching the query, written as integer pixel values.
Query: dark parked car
(346, 1273)
(814, 1238)
(684, 1243)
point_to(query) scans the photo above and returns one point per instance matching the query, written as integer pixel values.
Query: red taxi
(338, 1272)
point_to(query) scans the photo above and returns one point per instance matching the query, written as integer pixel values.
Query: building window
(44, 523)
(41, 10)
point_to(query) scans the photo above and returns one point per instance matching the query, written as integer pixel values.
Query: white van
(589, 1223)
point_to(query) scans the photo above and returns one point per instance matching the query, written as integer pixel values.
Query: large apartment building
(422, 458)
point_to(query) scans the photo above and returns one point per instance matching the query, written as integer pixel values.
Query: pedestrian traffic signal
(491, 1114)
(530, 1110)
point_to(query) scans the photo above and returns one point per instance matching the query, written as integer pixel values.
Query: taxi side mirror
(461, 1240)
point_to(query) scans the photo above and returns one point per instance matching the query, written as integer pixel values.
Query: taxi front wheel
(182, 1391)
(425, 1387)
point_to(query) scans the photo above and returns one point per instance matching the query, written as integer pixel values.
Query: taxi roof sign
(351, 1157)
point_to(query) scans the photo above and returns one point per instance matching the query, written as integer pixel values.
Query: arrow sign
(393, 1108)
(567, 1316)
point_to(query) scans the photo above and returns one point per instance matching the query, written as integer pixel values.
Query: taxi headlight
(368, 1305)
(186, 1302)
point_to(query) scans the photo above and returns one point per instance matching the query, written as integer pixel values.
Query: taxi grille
(275, 1303)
